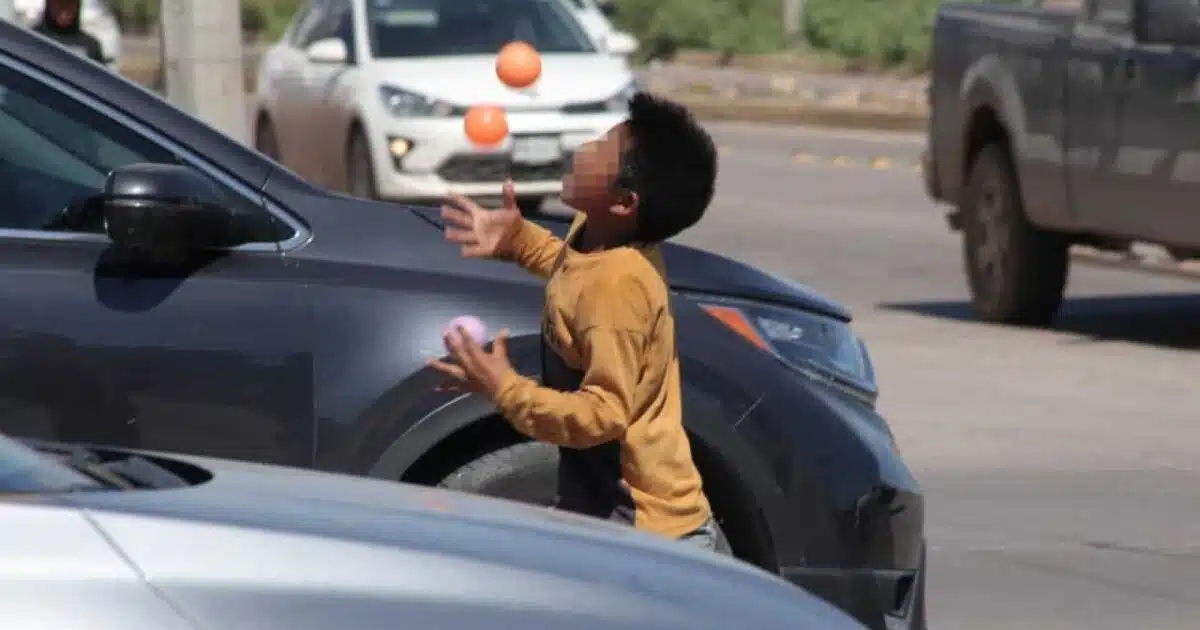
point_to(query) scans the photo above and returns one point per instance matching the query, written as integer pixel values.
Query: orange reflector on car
(735, 321)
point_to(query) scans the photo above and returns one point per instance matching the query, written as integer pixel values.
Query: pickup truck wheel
(1016, 271)
(526, 472)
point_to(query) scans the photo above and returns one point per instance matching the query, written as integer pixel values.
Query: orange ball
(518, 65)
(486, 125)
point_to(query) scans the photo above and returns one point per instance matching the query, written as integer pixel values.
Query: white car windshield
(26, 471)
(440, 28)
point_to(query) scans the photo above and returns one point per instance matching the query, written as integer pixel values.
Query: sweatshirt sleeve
(536, 248)
(612, 343)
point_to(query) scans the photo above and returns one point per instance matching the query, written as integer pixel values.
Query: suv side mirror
(167, 208)
(1172, 22)
(620, 44)
(331, 51)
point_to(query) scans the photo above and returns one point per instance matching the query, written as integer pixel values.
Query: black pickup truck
(1061, 122)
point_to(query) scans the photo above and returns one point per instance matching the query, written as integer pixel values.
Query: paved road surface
(1062, 468)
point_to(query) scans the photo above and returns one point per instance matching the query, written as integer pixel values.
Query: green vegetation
(864, 34)
(265, 19)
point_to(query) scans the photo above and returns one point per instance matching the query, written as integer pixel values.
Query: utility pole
(202, 67)
(793, 20)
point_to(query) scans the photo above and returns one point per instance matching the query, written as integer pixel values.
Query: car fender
(713, 409)
(990, 84)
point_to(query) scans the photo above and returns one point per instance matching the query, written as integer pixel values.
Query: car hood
(566, 78)
(372, 234)
(279, 542)
(697, 271)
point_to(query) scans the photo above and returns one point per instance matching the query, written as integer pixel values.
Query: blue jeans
(708, 536)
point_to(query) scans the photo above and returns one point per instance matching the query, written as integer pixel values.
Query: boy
(610, 397)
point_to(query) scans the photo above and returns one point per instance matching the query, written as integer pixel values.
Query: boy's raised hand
(472, 367)
(483, 233)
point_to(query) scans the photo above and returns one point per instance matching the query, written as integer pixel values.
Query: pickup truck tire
(1016, 271)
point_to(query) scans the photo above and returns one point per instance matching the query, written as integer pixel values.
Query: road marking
(875, 163)
(890, 137)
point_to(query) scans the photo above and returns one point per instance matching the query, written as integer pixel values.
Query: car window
(432, 28)
(306, 25)
(337, 22)
(56, 152)
(1117, 13)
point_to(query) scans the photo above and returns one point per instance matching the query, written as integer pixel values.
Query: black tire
(1016, 271)
(526, 472)
(360, 175)
(265, 140)
(531, 206)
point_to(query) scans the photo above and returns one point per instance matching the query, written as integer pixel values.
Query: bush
(875, 33)
(664, 27)
(260, 18)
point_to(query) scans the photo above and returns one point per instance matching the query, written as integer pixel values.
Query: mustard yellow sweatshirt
(610, 392)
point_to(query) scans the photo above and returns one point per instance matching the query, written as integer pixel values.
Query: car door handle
(1128, 67)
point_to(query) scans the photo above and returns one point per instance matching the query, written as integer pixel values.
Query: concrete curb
(866, 116)
(1138, 260)
(806, 113)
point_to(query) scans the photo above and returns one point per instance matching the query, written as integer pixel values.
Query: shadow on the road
(1165, 320)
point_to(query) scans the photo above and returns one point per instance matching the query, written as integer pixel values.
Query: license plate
(536, 150)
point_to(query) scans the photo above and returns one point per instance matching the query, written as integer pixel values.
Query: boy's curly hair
(671, 165)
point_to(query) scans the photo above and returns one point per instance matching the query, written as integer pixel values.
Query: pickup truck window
(1116, 12)
(1062, 7)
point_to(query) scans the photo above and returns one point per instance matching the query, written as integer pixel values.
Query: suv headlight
(818, 345)
(619, 102)
(410, 104)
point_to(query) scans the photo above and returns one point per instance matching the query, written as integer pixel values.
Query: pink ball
(473, 325)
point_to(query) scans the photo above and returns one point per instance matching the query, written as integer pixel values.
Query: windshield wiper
(129, 473)
(84, 461)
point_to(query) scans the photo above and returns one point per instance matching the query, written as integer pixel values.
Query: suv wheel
(526, 472)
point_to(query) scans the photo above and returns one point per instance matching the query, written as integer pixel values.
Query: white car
(96, 19)
(368, 96)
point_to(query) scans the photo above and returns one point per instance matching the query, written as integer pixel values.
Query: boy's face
(64, 12)
(589, 185)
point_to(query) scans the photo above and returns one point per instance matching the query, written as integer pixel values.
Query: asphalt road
(1062, 467)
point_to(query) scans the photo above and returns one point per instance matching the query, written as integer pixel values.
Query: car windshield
(26, 471)
(440, 28)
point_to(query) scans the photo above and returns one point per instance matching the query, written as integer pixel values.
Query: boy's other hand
(483, 233)
(474, 368)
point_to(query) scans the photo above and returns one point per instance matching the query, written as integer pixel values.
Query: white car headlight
(406, 103)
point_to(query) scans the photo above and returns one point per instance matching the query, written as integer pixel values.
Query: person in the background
(60, 22)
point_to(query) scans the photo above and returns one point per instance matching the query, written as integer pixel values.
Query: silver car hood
(261, 546)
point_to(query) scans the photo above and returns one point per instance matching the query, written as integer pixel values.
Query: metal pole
(202, 61)
(793, 19)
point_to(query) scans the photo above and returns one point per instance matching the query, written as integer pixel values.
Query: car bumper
(425, 159)
(881, 599)
(850, 524)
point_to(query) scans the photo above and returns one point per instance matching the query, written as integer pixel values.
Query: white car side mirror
(328, 51)
(620, 44)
